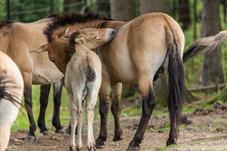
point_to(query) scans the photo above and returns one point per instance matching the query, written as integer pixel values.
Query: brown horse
(16, 40)
(139, 50)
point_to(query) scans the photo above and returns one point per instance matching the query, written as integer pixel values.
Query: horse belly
(44, 71)
(124, 70)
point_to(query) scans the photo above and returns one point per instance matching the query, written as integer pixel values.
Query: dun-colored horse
(82, 75)
(140, 48)
(16, 40)
(11, 91)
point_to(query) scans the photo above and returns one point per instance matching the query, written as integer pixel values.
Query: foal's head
(60, 50)
(92, 37)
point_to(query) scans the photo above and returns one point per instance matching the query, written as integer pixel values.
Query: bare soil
(208, 131)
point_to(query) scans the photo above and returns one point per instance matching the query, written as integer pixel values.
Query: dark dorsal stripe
(6, 23)
(71, 48)
(70, 19)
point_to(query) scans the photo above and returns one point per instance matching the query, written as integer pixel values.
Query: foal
(83, 75)
(11, 91)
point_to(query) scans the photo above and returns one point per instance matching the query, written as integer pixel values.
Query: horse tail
(4, 94)
(204, 44)
(175, 81)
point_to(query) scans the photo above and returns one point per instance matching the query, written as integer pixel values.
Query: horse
(140, 49)
(11, 91)
(16, 40)
(83, 75)
(134, 56)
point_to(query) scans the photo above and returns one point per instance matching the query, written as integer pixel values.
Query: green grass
(22, 120)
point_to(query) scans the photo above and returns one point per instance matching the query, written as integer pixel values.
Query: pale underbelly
(124, 70)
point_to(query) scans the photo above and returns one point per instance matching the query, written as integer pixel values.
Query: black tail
(176, 85)
(5, 95)
(204, 44)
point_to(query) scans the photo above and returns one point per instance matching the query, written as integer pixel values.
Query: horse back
(19, 39)
(140, 46)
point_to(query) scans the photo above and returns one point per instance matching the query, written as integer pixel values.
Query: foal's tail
(205, 44)
(176, 82)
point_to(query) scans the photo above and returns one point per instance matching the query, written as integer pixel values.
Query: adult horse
(11, 91)
(16, 40)
(139, 50)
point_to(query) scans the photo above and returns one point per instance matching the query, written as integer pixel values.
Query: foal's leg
(92, 100)
(80, 119)
(44, 94)
(104, 97)
(57, 90)
(73, 123)
(80, 124)
(28, 105)
(148, 103)
(116, 110)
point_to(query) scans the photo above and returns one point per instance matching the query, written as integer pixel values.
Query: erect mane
(6, 23)
(70, 19)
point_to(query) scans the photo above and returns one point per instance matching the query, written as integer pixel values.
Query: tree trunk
(184, 13)
(123, 10)
(147, 6)
(212, 65)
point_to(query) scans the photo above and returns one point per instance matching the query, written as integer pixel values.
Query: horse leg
(28, 106)
(116, 110)
(44, 94)
(4, 136)
(79, 130)
(92, 100)
(104, 97)
(73, 123)
(148, 104)
(57, 90)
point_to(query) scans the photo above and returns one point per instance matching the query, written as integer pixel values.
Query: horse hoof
(100, 143)
(78, 149)
(170, 142)
(72, 148)
(62, 130)
(91, 148)
(133, 146)
(45, 132)
(117, 138)
(30, 139)
(130, 148)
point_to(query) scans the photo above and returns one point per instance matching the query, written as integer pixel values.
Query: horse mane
(6, 23)
(70, 19)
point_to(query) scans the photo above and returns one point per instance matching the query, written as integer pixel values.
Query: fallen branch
(209, 87)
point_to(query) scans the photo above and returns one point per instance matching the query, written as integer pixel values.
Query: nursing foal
(83, 75)
(11, 91)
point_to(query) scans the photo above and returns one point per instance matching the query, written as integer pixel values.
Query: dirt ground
(207, 131)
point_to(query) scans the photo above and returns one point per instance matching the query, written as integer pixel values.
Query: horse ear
(43, 48)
